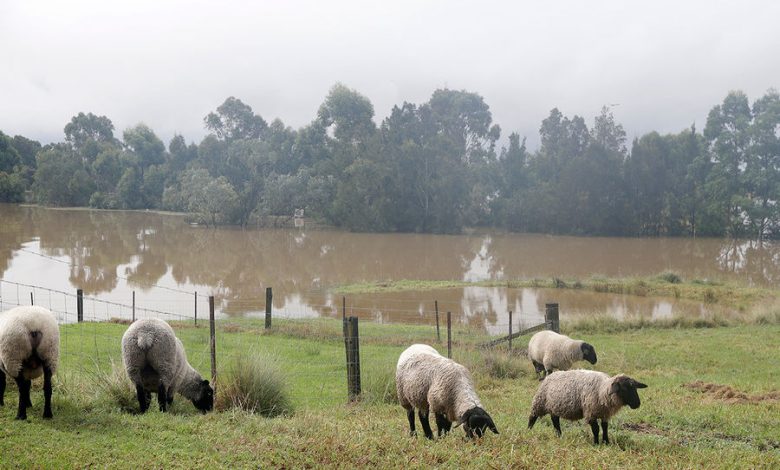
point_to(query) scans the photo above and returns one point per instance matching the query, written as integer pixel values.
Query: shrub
(255, 384)
(670, 277)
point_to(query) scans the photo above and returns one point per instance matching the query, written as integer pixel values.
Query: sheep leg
(443, 424)
(24, 391)
(143, 398)
(162, 398)
(604, 427)
(556, 424)
(594, 426)
(425, 424)
(531, 421)
(29, 400)
(539, 368)
(47, 393)
(2, 387)
(410, 415)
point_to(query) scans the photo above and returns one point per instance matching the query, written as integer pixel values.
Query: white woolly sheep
(588, 394)
(156, 362)
(431, 383)
(549, 350)
(29, 348)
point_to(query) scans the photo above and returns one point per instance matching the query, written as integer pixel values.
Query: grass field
(681, 423)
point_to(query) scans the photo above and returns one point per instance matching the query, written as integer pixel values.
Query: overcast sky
(168, 63)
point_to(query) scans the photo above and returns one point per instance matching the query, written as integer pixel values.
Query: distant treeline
(431, 167)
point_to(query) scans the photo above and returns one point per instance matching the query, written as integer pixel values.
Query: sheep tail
(145, 341)
(35, 339)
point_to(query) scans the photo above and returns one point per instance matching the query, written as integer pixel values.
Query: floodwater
(110, 254)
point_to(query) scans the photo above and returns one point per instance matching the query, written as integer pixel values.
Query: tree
(235, 120)
(144, 144)
(349, 114)
(9, 157)
(60, 178)
(88, 133)
(762, 168)
(211, 199)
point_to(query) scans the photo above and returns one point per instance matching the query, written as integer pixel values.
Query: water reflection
(113, 253)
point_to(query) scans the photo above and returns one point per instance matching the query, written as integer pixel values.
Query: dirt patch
(730, 395)
(643, 428)
(119, 321)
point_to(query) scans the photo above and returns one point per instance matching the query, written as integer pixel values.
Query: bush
(670, 277)
(256, 384)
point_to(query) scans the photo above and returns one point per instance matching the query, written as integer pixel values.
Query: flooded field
(165, 261)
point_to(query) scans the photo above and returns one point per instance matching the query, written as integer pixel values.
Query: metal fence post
(196, 308)
(449, 335)
(79, 305)
(269, 296)
(510, 331)
(438, 334)
(133, 306)
(212, 342)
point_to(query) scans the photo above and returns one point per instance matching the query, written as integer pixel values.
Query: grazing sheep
(156, 362)
(549, 350)
(29, 348)
(431, 383)
(588, 394)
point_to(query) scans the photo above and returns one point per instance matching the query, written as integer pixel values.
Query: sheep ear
(639, 384)
(492, 425)
(457, 425)
(615, 387)
(205, 382)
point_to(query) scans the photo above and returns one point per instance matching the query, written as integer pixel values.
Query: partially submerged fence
(92, 329)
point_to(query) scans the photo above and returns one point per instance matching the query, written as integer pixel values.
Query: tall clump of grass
(503, 364)
(256, 384)
(108, 388)
(379, 386)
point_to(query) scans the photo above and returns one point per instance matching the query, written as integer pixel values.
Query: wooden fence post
(438, 334)
(196, 308)
(212, 342)
(449, 335)
(79, 305)
(353, 358)
(133, 306)
(551, 318)
(269, 296)
(510, 331)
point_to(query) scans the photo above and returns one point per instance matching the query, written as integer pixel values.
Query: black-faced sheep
(29, 348)
(434, 384)
(156, 363)
(577, 394)
(549, 350)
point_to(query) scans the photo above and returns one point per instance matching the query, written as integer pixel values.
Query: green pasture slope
(677, 426)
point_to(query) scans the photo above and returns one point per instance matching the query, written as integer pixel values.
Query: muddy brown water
(110, 254)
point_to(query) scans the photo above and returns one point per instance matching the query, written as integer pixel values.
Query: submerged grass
(682, 423)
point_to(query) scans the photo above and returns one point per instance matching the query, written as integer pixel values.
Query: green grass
(675, 427)
(667, 284)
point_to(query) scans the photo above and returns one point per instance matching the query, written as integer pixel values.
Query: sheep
(155, 361)
(588, 394)
(549, 350)
(29, 348)
(431, 383)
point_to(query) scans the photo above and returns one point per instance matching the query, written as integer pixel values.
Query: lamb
(431, 383)
(29, 348)
(549, 350)
(588, 394)
(155, 361)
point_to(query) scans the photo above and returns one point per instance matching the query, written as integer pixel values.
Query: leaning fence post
(449, 335)
(79, 305)
(133, 306)
(212, 342)
(551, 318)
(269, 295)
(510, 330)
(353, 358)
(438, 334)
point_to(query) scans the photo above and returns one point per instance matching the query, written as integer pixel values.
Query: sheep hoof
(47, 415)
(21, 417)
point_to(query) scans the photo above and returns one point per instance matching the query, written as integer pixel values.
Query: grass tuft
(256, 384)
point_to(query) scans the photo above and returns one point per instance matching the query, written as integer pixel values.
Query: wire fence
(91, 331)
